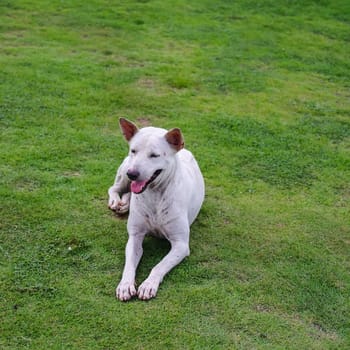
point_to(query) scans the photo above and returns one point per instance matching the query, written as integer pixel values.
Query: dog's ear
(175, 139)
(129, 129)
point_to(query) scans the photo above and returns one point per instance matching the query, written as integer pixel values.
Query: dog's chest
(156, 214)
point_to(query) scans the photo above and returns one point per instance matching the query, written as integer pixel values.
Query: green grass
(261, 91)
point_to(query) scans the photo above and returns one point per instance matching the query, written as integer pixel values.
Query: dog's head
(152, 153)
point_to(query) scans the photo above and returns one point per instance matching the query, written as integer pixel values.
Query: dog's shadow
(154, 250)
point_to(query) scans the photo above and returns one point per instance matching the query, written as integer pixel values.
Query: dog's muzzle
(140, 186)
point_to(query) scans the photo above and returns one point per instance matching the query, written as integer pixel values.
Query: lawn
(261, 91)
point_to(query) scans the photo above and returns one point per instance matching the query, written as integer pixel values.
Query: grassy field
(261, 91)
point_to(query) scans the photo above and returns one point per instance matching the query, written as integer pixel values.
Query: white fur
(166, 208)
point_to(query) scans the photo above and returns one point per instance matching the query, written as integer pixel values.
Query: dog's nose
(133, 174)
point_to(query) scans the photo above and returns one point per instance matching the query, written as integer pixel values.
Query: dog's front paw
(119, 205)
(113, 201)
(148, 289)
(125, 291)
(123, 204)
(121, 208)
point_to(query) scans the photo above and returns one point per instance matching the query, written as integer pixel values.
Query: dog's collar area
(139, 187)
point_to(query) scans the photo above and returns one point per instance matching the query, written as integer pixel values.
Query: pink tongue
(137, 186)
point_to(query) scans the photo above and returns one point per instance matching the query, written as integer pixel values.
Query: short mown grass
(261, 91)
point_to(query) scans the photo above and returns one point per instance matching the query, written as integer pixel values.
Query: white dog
(167, 191)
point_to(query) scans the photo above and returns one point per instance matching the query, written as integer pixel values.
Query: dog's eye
(133, 151)
(154, 155)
